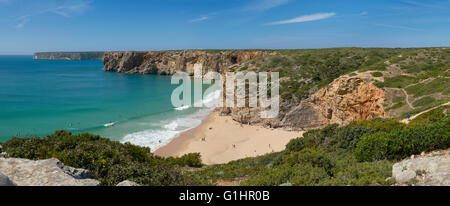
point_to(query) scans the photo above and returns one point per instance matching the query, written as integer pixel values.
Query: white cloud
(264, 5)
(438, 5)
(305, 18)
(397, 27)
(65, 10)
(364, 13)
(203, 18)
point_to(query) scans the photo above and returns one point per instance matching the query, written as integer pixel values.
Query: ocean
(38, 97)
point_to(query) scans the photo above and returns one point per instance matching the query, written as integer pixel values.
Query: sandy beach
(220, 139)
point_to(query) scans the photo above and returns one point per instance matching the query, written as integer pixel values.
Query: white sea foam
(166, 130)
(183, 107)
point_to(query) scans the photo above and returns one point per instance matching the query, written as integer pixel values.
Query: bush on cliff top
(361, 153)
(403, 142)
(108, 161)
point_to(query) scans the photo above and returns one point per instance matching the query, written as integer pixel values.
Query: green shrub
(348, 137)
(380, 124)
(108, 161)
(295, 145)
(376, 74)
(310, 156)
(428, 117)
(191, 160)
(404, 142)
(320, 138)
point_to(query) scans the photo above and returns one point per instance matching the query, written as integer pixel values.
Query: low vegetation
(110, 162)
(361, 153)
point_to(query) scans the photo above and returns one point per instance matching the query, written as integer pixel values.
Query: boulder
(5, 181)
(50, 172)
(424, 171)
(128, 183)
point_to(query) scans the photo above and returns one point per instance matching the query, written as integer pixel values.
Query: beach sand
(226, 140)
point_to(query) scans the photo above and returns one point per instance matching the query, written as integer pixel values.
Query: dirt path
(407, 99)
(406, 121)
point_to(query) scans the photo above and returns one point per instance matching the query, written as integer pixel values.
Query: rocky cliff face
(69, 55)
(345, 100)
(170, 62)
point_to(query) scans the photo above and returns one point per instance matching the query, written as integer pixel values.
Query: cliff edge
(170, 62)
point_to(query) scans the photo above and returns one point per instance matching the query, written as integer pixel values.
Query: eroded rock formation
(423, 171)
(50, 172)
(345, 100)
(170, 62)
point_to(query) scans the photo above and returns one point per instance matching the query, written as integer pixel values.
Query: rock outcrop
(2, 153)
(50, 172)
(345, 100)
(170, 62)
(127, 183)
(423, 171)
(5, 181)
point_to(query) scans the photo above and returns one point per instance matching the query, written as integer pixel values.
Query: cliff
(345, 100)
(170, 62)
(69, 55)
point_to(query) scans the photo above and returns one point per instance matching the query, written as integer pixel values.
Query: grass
(396, 106)
(438, 85)
(399, 81)
(398, 99)
(426, 101)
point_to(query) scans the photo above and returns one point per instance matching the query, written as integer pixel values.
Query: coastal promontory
(69, 55)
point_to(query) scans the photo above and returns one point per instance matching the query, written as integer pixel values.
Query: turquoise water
(38, 97)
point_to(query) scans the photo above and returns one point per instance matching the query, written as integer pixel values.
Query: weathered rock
(128, 183)
(2, 153)
(170, 62)
(5, 181)
(345, 100)
(424, 171)
(50, 172)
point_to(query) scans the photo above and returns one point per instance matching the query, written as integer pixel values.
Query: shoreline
(219, 139)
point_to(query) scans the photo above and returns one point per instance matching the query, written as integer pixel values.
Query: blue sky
(28, 26)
